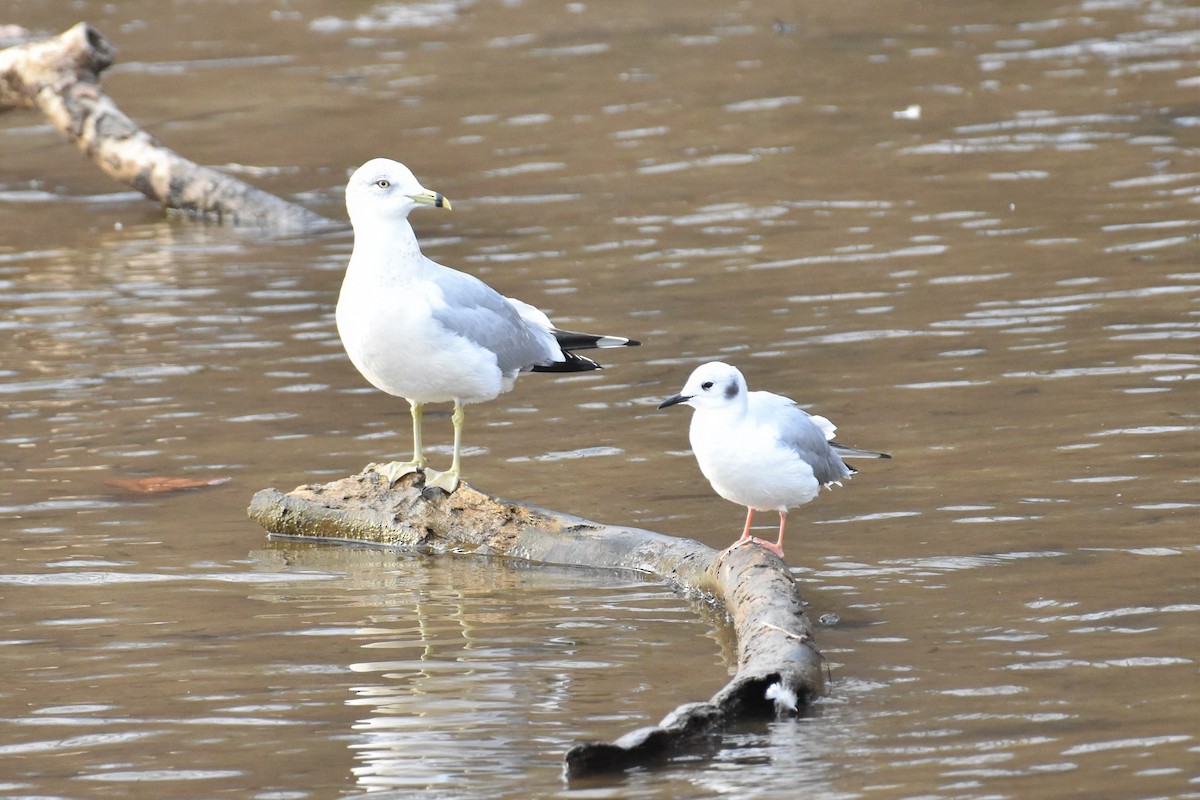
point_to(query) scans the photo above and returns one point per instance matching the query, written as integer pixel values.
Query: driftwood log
(61, 78)
(777, 657)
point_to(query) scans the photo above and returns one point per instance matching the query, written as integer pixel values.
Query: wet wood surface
(60, 77)
(777, 656)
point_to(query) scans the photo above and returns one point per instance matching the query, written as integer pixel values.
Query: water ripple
(917, 251)
(160, 775)
(1120, 744)
(110, 578)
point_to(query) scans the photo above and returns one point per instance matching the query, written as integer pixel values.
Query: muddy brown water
(966, 232)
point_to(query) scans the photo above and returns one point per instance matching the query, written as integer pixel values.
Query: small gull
(430, 334)
(759, 449)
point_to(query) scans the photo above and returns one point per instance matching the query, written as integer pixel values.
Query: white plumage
(428, 333)
(758, 449)
(784, 698)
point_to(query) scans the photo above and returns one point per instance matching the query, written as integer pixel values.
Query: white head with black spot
(715, 385)
(383, 190)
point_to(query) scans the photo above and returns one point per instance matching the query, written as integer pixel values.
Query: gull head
(383, 189)
(713, 385)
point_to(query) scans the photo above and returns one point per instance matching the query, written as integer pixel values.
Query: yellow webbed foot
(446, 481)
(396, 470)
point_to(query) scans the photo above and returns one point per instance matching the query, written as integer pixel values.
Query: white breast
(408, 354)
(748, 465)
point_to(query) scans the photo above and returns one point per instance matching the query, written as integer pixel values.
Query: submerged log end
(778, 675)
(680, 731)
(598, 758)
(780, 693)
(601, 758)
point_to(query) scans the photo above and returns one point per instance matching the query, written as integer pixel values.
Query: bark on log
(61, 78)
(754, 586)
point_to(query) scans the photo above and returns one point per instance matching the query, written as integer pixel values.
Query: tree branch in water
(61, 78)
(779, 667)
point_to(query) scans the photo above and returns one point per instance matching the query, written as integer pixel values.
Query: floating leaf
(158, 484)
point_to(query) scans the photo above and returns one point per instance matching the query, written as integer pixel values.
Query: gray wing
(846, 451)
(484, 317)
(799, 431)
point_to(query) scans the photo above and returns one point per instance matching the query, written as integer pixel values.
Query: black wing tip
(574, 340)
(570, 363)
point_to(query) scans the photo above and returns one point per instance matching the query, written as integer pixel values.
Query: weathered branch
(754, 586)
(61, 78)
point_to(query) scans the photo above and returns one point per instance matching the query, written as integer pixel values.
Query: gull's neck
(724, 415)
(386, 246)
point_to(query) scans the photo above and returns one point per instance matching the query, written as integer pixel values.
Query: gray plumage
(758, 449)
(430, 334)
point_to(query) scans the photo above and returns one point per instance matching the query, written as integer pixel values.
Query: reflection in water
(468, 665)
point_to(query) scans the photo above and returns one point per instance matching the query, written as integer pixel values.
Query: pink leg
(775, 547)
(745, 536)
(778, 547)
(746, 530)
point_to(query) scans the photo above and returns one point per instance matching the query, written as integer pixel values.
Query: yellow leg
(448, 480)
(395, 470)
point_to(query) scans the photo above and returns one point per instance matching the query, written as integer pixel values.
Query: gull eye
(706, 385)
(383, 183)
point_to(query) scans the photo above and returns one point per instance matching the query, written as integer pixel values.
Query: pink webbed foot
(725, 553)
(774, 547)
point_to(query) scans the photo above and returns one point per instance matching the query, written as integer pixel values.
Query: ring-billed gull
(428, 333)
(758, 449)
